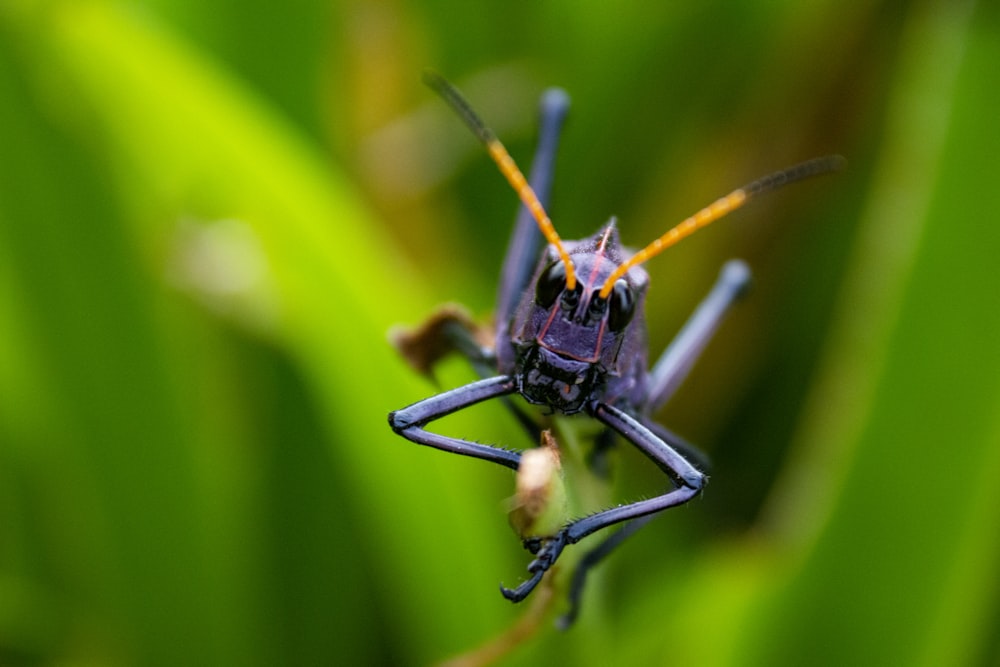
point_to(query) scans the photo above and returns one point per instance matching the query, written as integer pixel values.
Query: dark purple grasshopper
(571, 337)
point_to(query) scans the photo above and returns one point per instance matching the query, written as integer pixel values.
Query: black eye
(550, 284)
(621, 306)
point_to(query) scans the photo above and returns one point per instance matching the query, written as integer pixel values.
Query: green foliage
(212, 213)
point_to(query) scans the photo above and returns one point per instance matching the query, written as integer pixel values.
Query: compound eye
(621, 306)
(550, 284)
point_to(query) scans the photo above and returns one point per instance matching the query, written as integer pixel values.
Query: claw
(522, 591)
(545, 557)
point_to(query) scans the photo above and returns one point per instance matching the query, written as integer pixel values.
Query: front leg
(410, 421)
(687, 479)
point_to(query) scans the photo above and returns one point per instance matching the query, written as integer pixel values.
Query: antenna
(506, 164)
(721, 207)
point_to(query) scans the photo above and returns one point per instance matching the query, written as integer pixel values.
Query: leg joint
(400, 420)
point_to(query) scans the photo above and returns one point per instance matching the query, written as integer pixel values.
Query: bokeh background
(212, 213)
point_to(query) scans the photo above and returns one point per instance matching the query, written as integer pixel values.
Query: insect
(570, 337)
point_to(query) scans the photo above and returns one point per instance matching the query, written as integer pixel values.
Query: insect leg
(688, 482)
(675, 362)
(687, 478)
(526, 240)
(597, 554)
(409, 422)
(451, 329)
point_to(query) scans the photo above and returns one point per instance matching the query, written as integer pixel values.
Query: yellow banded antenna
(722, 206)
(506, 164)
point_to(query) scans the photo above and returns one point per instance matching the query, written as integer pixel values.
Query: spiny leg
(463, 337)
(596, 555)
(676, 361)
(409, 422)
(450, 329)
(688, 481)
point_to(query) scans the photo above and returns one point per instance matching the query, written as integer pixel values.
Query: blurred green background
(212, 213)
